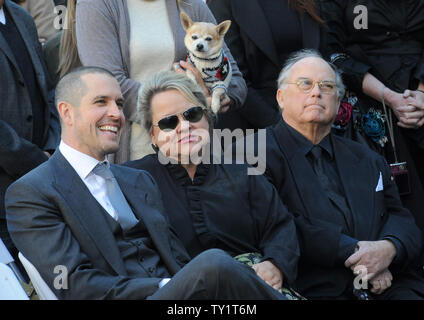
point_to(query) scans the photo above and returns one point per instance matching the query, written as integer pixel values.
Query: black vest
(137, 251)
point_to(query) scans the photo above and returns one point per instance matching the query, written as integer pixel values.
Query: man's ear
(280, 98)
(185, 21)
(223, 27)
(66, 113)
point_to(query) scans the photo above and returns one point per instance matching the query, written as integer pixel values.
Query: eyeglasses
(193, 114)
(306, 85)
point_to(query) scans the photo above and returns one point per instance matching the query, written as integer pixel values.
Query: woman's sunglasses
(193, 114)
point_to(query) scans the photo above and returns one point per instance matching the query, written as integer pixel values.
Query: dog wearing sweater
(204, 42)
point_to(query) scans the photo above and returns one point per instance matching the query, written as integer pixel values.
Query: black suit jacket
(18, 154)
(54, 220)
(376, 212)
(250, 41)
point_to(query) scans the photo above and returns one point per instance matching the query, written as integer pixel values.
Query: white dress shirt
(2, 16)
(84, 165)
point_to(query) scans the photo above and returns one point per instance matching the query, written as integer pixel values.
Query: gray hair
(170, 80)
(309, 53)
(71, 88)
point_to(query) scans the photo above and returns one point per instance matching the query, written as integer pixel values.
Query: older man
(351, 224)
(104, 224)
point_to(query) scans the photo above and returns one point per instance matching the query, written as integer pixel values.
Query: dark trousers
(214, 275)
(406, 286)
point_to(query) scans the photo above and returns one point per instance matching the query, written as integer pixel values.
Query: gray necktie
(126, 217)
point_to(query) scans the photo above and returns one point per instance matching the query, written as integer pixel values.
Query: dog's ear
(223, 27)
(185, 21)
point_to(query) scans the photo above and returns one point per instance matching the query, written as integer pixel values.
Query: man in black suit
(104, 224)
(351, 224)
(29, 125)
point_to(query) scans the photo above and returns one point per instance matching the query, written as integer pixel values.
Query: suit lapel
(88, 210)
(9, 54)
(4, 46)
(258, 31)
(138, 199)
(35, 58)
(358, 183)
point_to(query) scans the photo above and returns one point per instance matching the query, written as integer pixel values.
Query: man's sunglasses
(193, 114)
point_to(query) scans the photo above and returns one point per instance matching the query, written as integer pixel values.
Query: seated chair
(10, 287)
(40, 286)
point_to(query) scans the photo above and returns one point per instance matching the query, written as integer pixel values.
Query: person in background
(42, 11)
(61, 52)
(262, 35)
(383, 68)
(29, 125)
(135, 39)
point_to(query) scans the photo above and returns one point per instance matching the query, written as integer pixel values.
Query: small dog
(204, 42)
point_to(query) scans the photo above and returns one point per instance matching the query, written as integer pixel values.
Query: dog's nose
(199, 47)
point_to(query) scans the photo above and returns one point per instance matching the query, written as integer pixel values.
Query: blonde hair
(169, 80)
(68, 51)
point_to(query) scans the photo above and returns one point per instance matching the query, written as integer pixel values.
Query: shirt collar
(81, 162)
(305, 145)
(2, 16)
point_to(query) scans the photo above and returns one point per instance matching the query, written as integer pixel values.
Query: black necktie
(126, 217)
(329, 186)
(316, 153)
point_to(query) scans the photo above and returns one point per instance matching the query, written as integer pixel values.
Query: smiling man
(350, 221)
(104, 224)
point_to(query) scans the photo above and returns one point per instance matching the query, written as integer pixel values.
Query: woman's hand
(408, 108)
(183, 66)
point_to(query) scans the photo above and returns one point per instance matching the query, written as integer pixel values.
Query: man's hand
(375, 256)
(269, 273)
(381, 282)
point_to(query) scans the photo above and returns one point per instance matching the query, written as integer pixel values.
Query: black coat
(376, 214)
(251, 44)
(225, 208)
(18, 151)
(391, 49)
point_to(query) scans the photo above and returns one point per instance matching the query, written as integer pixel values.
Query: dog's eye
(208, 39)
(194, 37)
